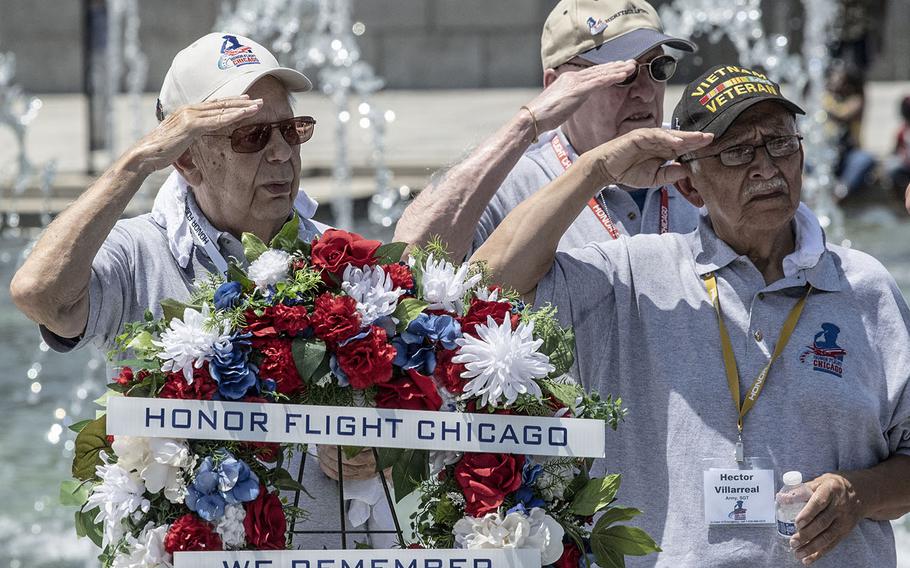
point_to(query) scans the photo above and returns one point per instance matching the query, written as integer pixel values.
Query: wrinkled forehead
(764, 120)
(276, 101)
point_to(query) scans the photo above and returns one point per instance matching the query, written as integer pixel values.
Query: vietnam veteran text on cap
(713, 101)
(601, 31)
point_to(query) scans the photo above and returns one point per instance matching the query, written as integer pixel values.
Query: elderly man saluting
(810, 339)
(228, 128)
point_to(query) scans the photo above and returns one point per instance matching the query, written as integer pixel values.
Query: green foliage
(611, 411)
(90, 442)
(608, 541)
(390, 253)
(236, 274)
(74, 493)
(558, 342)
(310, 358)
(253, 247)
(597, 494)
(174, 309)
(286, 239)
(305, 283)
(409, 468)
(86, 526)
(407, 311)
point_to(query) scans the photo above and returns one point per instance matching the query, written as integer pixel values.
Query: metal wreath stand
(344, 532)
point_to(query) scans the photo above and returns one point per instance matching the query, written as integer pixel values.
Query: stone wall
(413, 44)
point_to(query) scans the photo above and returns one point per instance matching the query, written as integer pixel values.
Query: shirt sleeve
(580, 286)
(522, 182)
(894, 336)
(110, 295)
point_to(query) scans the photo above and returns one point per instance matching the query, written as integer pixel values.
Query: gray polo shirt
(133, 271)
(539, 166)
(837, 398)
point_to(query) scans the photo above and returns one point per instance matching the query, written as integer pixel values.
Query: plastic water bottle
(791, 499)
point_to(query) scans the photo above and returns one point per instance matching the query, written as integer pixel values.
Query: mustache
(761, 187)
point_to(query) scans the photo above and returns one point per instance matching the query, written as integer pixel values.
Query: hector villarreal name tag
(739, 496)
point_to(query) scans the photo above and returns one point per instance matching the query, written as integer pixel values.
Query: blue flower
(236, 481)
(202, 496)
(213, 487)
(416, 346)
(525, 497)
(227, 295)
(530, 472)
(231, 367)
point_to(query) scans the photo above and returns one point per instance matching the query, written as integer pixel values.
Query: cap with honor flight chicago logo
(601, 31)
(221, 65)
(713, 101)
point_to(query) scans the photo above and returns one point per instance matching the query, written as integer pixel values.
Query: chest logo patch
(824, 353)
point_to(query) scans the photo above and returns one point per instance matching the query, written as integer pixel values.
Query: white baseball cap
(221, 65)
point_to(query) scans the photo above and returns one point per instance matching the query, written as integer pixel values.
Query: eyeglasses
(779, 147)
(661, 69)
(255, 137)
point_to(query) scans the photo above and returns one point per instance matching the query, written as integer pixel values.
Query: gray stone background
(413, 44)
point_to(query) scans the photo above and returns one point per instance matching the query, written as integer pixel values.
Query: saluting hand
(555, 104)
(640, 158)
(170, 139)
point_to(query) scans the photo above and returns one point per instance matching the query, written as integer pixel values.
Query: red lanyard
(600, 209)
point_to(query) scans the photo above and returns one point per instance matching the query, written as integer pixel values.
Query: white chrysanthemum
(444, 287)
(119, 495)
(146, 550)
(484, 293)
(190, 342)
(502, 363)
(160, 462)
(230, 527)
(373, 290)
(439, 459)
(537, 530)
(269, 269)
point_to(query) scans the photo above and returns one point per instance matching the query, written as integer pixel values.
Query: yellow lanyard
(745, 405)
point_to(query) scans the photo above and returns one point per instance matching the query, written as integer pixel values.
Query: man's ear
(549, 75)
(688, 191)
(187, 167)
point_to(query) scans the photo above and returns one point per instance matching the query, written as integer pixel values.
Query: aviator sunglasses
(255, 137)
(661, 69)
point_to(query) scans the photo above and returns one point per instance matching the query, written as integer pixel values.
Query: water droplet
(363, 108)
(364, 122)
(60, 414)
(69, 445)
(39, 506)
(390, 116)
(36, 528)
(36, 387)
(32, 373)
(81, 393)
(358, 28)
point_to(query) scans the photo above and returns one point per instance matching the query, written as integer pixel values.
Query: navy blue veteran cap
(713, 101)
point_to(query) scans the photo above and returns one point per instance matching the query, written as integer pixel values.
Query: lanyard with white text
(599, 207)
(744, 406)
(202, 239)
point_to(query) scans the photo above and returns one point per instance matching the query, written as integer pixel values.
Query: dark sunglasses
(661, 69)
(736, 156)
(255, 137)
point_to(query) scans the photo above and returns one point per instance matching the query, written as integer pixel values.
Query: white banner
(348, 426)
(395, 558)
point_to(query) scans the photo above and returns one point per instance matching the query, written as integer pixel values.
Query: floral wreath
(342, 322)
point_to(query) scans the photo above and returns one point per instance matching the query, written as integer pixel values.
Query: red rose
(335, 249)
(449, 373)
(266, 452)
(367, 361)
(401, 275)
(259, 326)
(265, 523)
(278, 364)
(413, 392)
(570, 556)
(485, 480)
(480, 309)
(125, 377)
(190, 533)
(335, 318)
(292, 320)
(204, 386)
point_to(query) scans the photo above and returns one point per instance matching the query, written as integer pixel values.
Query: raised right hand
(170, 139)
(555, 104)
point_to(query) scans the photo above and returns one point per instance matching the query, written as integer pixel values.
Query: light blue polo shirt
(837, 399)
(539, 166)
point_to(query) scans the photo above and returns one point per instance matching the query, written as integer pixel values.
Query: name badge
(739, 496)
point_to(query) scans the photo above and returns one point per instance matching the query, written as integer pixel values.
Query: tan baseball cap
(221, 65)
(601, 31)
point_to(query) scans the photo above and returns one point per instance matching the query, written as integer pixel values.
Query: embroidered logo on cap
(596, 26)
(714, 92)
(234, 54)
(827, 356)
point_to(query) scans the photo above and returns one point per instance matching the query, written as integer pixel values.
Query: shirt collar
(811, 261)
